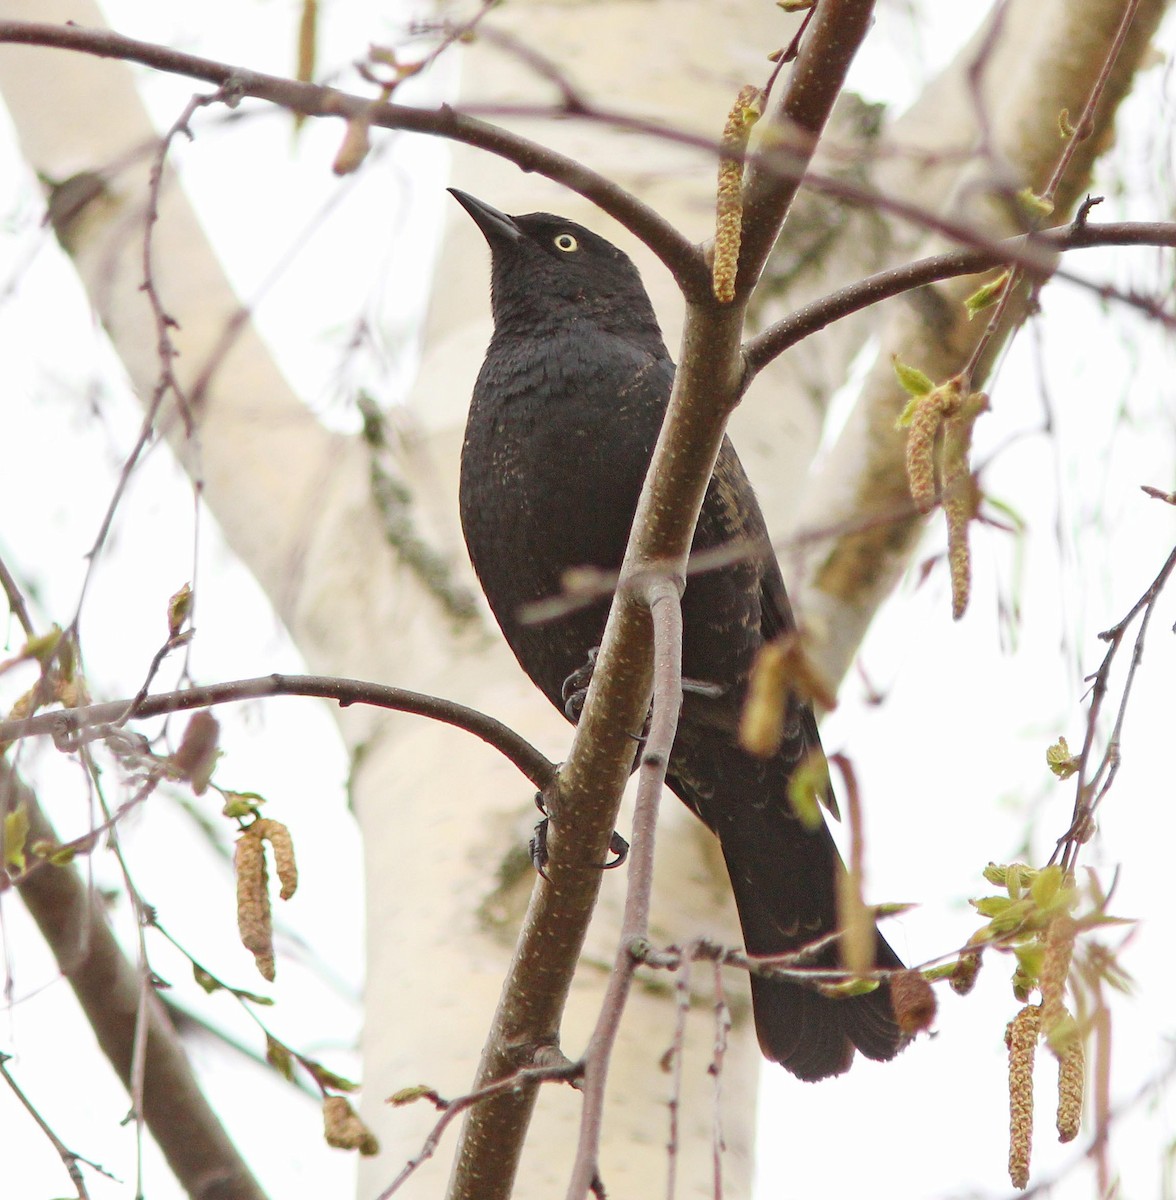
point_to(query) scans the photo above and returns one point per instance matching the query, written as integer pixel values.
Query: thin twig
(73, 921)
(16, 600)
(525, 1077)
(718, 1058)
(676, 1054)
(146, 992)
(1083, 130)
(1086, 783)
(72, 722)
(313, 100)
(1085, 126)
(68, 1157)
(662, 594)
(1034, 251)
(167, 381)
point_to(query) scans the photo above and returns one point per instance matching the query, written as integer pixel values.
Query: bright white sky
(953, 762)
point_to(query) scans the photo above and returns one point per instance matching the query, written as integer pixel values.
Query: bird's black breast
(559, 437)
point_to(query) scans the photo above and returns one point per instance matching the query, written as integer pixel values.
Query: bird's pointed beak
(497, 228)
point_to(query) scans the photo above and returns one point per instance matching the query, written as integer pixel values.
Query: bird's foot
(575, 687)
(617, 846)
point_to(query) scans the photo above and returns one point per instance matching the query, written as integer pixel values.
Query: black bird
(562, 425)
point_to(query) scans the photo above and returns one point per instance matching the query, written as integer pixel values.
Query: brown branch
(71, 919)
(67, 724)
(790, 131)
(1086, 124)
(525, 1077)
(314, 100)
(663, 597)
(1031, 250)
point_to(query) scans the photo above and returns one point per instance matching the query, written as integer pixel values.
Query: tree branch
(663, 598)
(69, 914)
(789, 137)
(66, 725)
(314, 100)
(1027, 250)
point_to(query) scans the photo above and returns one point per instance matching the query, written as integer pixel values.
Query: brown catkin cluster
(1071, 1081)
(1021, 1039)
(926, 417)
(254, 918)
(1055, 970)
(961, 496)
(279, 838)
(355, 147)
(748, 106)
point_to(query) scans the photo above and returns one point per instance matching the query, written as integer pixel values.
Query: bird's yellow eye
(566, 243)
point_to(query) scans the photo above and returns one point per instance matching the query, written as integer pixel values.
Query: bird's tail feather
(784, 878)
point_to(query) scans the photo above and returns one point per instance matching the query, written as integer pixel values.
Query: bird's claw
(620, 848)
(537, 846)
(575, 687)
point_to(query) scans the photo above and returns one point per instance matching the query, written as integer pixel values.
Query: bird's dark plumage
(564, 417)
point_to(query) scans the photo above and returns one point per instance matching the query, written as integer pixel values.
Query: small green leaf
(943, 971)
(987, 294)
(1017, 878)
(851, 987)
(43, 647)
(253, 997)
(804, 794)
(16, 833)
(1060, 761)
(239, 805)
(279, 1056)
(179, 608)
(53, 852)
(1030, 956)
(1046, 885)
(1033, 204)
(328, 1079)
(913, 381)
(208, 982)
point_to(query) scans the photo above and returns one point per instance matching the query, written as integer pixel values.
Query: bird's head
(547, 271)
